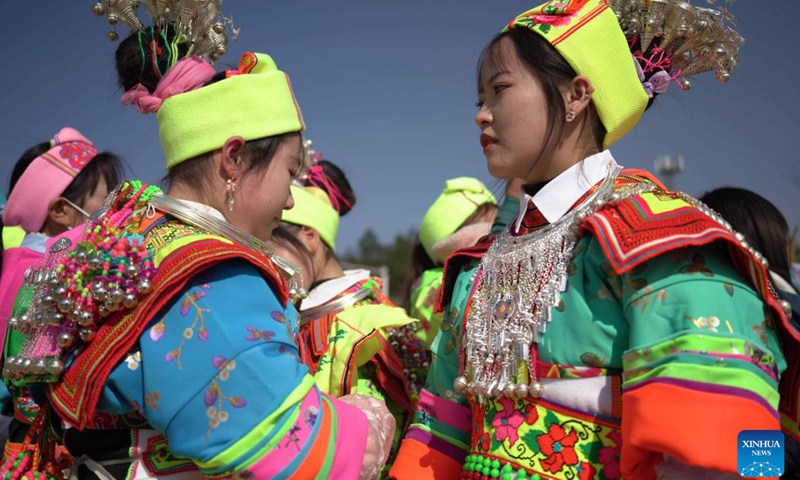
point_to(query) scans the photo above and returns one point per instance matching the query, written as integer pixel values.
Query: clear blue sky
(387, 91)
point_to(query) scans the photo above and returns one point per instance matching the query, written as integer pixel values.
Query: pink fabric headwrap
(46, 178)
(186, 75)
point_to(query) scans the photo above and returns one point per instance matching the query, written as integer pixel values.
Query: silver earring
(230, 191)
(570, 116)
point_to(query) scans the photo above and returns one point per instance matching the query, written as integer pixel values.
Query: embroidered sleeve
(702, 363)
(219, 374)
(438, 439)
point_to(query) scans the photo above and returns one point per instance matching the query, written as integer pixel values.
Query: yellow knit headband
(255, 102)
(586, 33)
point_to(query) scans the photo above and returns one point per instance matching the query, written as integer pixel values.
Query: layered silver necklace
(194, 216)
(519, 281)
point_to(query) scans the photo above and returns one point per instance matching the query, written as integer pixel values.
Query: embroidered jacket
(665, 342)
(209, 363)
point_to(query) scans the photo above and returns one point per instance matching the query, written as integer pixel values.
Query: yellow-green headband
(586, 33)
(255, 102)
(313, 209)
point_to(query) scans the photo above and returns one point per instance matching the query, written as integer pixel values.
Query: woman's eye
(499, 88)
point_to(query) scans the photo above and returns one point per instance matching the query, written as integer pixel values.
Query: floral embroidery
(452, 328)
(214, 398)
(609, 456)
(255, 334)
(559, 447)
(648, 297)
(189, 302)
(78, 154)
(531, 414)
(697, 265)
(711, 323)
(311, 416)
(615, 286)
(555, 14)
(507, 421)
(586, 471)
(537, 438)
(134, 360)
(592, 360)
(151, 400)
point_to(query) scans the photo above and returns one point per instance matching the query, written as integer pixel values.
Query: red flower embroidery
(559, 448)
(507, 421)
(609, 456)
(77, 154)
(586, 471)
(486, 442)
(531, 414)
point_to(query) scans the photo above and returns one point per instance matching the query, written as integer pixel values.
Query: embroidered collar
(328, 290)
(560, 194)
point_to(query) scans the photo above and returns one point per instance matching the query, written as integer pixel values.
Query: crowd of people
(592, 324)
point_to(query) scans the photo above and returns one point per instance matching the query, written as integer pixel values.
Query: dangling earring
(570, 116)
(230, 191)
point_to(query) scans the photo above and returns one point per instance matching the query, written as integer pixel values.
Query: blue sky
(387, 91)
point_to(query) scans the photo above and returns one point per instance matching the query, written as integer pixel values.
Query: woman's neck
(332, 269)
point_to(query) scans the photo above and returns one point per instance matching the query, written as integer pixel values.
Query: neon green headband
(461, 198)
(587, 34)
(255, 102)
(313, 209)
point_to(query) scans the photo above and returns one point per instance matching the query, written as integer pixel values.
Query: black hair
(552, 71)
(104, 165)
(143, 58)
(340, 181)
(136, 63)
(761, 223)
(288, 236)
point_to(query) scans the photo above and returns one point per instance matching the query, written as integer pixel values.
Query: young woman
(54, 186)
(462, 214)
(163, 331)
(615, 329)
(351, 336)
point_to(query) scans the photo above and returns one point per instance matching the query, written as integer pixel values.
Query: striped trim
(449, 413)
(56, 162)
(583, 21)
(432, 441)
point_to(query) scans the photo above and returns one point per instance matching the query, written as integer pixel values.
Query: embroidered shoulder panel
(76, 395)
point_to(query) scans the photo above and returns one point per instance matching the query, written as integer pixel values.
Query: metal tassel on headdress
(198, 22)
(695, 39)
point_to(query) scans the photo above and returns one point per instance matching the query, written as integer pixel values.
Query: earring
(230, 191)
(570, 116)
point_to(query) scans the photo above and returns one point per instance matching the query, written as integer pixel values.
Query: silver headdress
(680, 38)
(198, 22)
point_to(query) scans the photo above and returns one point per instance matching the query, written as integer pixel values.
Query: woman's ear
(59, 214)
(231, 158)
(311, 240)
(578, 95)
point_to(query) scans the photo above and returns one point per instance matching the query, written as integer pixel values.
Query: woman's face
(89, 205)
(291, 254)
(261, 196)
(512, 115)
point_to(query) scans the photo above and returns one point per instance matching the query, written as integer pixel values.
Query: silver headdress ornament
(687, 40)
(198, 22)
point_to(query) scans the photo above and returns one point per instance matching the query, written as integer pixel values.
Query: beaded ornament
(109, 270)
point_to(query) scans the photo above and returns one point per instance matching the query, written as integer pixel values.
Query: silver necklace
(519, 281)
(192, 215)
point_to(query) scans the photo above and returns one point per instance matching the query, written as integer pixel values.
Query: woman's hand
(380, 435)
